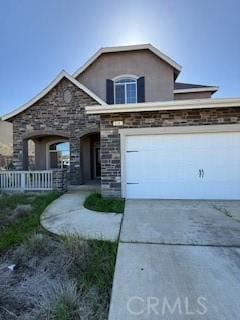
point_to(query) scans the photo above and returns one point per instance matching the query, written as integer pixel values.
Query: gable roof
(62, 74)
(148, 46)
(180, 87)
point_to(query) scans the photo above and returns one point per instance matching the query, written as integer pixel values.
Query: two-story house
(129, 122)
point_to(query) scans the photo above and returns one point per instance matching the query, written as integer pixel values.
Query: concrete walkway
(66, 215)
(178, 260)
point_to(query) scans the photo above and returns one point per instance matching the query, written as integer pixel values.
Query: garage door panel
(154, 190)
(183, 166)
(162, 169)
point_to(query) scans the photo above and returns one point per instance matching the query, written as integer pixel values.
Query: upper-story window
(125, 90)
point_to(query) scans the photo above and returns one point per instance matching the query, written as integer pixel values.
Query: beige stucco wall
(6, 138)
(41, 147)
(40, 155)
(192, 95)
(159, 76)
(41, 152)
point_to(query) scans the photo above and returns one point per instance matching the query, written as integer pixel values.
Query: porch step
(85, 187)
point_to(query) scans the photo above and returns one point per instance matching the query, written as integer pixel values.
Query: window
(59, 155)
(125, 90)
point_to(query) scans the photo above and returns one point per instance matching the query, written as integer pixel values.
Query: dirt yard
(47, 277)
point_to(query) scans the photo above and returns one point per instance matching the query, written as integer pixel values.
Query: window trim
(122, 77)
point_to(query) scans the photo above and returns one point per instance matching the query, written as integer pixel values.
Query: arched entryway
(50, 149)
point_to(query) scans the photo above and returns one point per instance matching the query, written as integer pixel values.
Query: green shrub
(96, 202)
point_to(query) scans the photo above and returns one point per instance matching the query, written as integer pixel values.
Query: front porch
(78, 156)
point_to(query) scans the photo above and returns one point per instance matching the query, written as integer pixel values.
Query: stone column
(110, 163)
(20, 153)
(59, 180)
(25, 155)
(75, 161)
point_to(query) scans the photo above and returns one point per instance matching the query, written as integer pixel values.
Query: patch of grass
(10, 207)
(74, 251)
(61, 278)
(60, 302)
(92, 262)
(100, 265)
(11, 201)
(96, 202)
(15, 233)
(66, 305)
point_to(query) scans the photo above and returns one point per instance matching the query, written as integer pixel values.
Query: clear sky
(39, 38)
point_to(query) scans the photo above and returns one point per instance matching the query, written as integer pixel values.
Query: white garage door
(183, 166)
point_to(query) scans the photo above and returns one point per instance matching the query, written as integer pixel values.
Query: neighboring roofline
(164, 105)
(146, 46)
(62, 74)
(202, 89)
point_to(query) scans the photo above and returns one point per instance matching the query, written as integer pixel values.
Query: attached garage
(178, 164)
(171, 149)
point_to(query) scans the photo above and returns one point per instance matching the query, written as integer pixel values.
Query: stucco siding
(40, 156)
(159, 76)
(192, 95)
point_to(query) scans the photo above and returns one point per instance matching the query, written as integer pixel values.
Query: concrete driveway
(182, 222)
(178, 260)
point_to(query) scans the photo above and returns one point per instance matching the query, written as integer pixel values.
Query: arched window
(125, 90)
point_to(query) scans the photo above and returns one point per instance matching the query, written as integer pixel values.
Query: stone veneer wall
(52, 114)
(59, 180)
(110, 138)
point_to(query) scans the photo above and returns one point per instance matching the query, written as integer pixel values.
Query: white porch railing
(26, 180)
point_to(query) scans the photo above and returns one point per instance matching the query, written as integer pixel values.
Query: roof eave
(193, 90)
(164, 105)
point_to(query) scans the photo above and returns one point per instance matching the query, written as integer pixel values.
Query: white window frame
(122, 77)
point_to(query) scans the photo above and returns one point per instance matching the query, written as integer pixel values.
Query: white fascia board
(203, 89)
(166, 105)
(164, 57)
(62, 74)
(147, 46)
